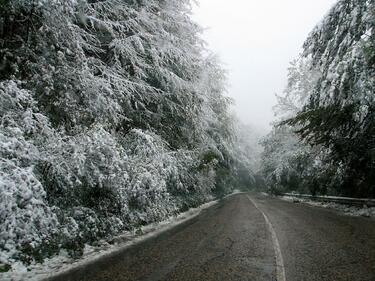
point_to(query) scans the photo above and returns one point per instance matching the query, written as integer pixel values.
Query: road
(248, 237)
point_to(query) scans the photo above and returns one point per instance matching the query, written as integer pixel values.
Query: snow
(91, 147)
(62, 263)
(342, 208)
(327, 106)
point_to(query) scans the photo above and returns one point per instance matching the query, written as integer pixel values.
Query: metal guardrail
(359, 202)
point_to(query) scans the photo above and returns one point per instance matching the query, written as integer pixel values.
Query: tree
(340, 112)
(113, 116)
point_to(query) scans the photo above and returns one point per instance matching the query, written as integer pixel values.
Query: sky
(256, 40)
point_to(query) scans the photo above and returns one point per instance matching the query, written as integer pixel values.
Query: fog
(256, 40)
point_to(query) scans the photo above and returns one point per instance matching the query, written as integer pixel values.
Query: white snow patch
(346, 209)
(236, 191)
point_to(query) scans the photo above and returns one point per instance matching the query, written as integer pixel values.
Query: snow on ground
(62, 262)
(346, 209)
(236, 191)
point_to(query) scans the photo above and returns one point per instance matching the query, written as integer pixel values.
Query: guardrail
(359, 202)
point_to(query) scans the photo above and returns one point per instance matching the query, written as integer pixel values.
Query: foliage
(113, 116)
(336, 115)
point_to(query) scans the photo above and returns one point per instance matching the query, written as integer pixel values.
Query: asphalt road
(236, 240)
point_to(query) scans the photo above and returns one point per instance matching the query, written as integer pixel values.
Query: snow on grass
(63, 263)
(346, 209)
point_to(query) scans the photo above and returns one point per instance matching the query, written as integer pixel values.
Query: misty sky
(256, 40)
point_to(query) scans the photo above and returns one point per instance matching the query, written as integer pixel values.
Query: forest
(113, 116)
(323, 139)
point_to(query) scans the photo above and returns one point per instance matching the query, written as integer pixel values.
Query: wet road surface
(233, 241)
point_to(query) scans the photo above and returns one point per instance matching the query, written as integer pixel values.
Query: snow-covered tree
(113, 116)
(340, 112)
(287, 162)
(327, 110)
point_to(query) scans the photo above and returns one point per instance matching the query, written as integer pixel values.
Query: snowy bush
(26, 220)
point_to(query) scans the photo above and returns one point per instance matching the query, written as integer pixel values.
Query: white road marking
(280, 269)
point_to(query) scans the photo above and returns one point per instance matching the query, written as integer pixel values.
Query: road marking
(280, 269)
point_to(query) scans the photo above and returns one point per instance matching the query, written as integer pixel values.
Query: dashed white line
(280, 269)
